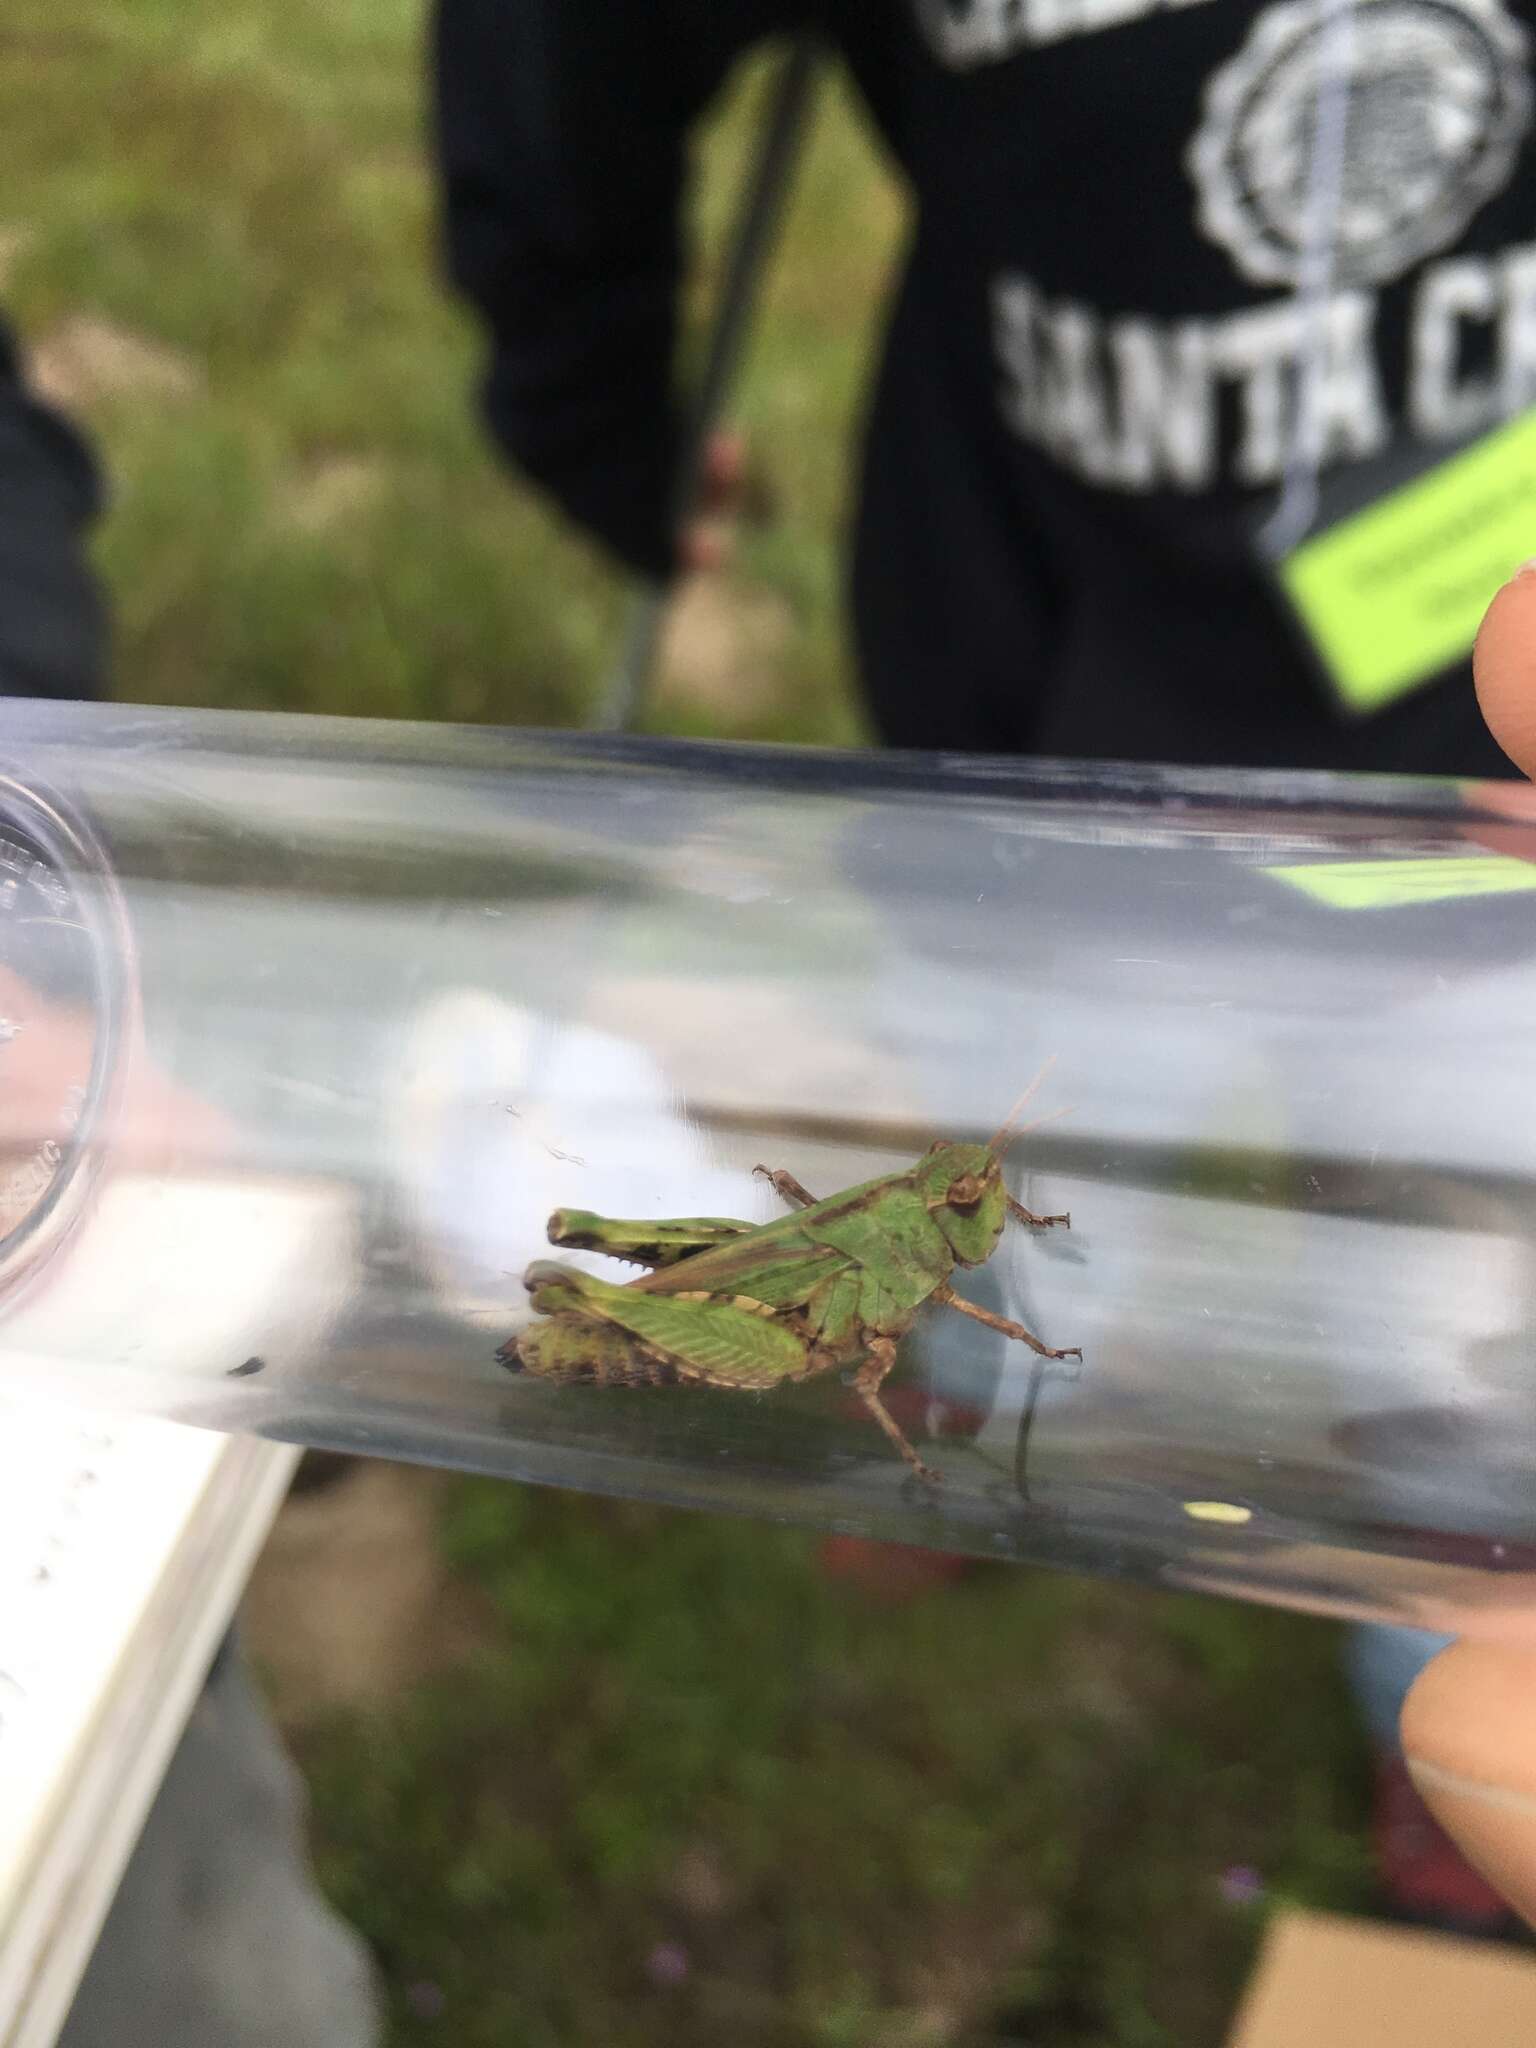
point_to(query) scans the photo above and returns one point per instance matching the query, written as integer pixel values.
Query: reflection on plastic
(378, 999)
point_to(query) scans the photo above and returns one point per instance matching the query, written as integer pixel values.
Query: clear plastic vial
(307, 1025)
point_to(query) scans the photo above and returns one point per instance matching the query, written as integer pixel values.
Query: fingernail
(1525, 568)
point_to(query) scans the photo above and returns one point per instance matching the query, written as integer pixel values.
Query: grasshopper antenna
(1005, 1130)
(1010, 1129)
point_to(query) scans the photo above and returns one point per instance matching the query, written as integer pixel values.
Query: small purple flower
(1240, 1885)
(426, 2001)
(667, 1964)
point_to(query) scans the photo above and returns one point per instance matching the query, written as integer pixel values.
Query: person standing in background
(1175, 274)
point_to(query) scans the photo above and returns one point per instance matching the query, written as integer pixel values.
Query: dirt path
(351, 1603)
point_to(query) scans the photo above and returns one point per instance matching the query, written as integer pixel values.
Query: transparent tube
(307, 1025)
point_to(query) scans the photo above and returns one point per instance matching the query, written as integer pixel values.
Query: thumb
(1469, 1737)
(1504, 665)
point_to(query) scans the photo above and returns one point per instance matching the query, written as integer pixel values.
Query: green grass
(246, 187)
(997, 1814)
(1000, 1812)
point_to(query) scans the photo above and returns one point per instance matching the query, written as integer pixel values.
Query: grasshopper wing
(778, 1266)
(784, 1263)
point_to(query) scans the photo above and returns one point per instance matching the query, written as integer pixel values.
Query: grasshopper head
(962, 1186)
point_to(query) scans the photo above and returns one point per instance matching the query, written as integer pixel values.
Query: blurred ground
(587, 1773)
(354, 1602)
(592, 1772)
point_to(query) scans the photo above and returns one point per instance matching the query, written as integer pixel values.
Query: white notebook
(124, 1548)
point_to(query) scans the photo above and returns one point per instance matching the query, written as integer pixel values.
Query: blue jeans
(218, 1937)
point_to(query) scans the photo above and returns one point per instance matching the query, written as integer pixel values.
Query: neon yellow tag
(1387, 884)
(1397, 592)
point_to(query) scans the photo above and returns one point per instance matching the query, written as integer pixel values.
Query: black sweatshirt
(1089, 383)
(52, 622)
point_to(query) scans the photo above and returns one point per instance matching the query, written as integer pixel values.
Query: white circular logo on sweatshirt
(1359, 136)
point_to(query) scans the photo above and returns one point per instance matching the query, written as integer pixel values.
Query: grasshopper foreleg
(1028, 1215)
(786, 1187)
(882, 1356)
(947, 1295)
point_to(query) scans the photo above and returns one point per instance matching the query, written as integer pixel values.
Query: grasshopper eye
(965, 1194)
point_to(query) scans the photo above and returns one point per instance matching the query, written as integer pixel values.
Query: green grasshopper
(833, 1286)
